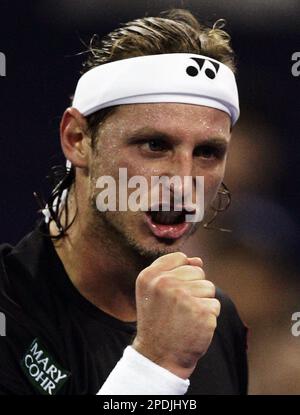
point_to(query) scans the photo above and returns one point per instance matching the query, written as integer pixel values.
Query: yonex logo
(210, 68)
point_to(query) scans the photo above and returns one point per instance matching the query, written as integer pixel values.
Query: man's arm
(176, 319)
(135, 374)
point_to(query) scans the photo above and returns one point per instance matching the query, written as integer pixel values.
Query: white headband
(176, 77)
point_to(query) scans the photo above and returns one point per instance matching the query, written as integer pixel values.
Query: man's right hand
(176, 313)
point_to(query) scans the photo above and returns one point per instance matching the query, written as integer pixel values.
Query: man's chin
(155, 247)
(138, 239)
(152, 253)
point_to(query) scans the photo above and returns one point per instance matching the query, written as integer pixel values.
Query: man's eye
(155, 145)
(209, 152)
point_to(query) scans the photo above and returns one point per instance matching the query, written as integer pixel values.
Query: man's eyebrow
(214, 141)
(147, 132)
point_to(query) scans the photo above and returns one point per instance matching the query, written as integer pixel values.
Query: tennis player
(104, 301)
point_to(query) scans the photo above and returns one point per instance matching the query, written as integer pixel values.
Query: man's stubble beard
(107, 226)
(110, 226)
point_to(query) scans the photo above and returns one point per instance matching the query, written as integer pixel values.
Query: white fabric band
(176, 77)
(134, 374)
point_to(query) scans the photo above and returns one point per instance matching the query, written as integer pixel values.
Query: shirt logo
(42, 370)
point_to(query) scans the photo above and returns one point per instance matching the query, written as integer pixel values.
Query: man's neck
(99, 268)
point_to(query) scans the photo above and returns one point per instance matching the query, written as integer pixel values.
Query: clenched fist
(176, 313)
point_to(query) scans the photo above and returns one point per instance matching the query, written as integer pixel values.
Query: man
(103, 301)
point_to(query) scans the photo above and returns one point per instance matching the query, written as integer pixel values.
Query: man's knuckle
(199, 272)
(211, 287)
(180, 255)
(142, 278)
(180, 293)
(162, 283)
(216, 306)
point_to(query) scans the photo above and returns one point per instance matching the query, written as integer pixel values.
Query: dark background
(258, 263)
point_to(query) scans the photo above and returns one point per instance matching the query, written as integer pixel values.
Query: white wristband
(134, 374)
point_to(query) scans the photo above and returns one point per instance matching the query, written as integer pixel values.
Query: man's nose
(182, 165)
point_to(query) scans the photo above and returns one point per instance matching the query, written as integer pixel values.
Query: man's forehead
(173, 119)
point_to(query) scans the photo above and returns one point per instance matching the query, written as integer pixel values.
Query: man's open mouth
(168, 224)
(168, 218)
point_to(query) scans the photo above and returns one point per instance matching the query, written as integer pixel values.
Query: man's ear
(74, 140)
